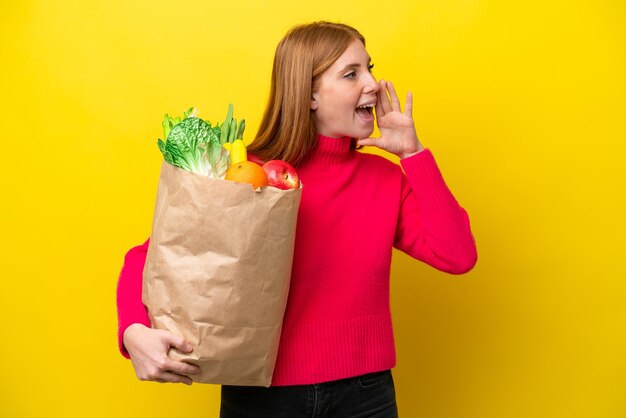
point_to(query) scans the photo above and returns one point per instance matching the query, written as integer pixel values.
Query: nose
(371, 85)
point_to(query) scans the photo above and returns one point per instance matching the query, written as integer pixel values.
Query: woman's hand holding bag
(148, 349)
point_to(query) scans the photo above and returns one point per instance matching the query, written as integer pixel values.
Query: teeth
(365, 106)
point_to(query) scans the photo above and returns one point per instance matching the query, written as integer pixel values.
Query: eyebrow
(354, 65)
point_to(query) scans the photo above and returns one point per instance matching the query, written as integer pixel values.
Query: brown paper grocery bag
(217, 272)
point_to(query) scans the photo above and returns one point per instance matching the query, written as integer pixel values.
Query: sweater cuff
(426, 179)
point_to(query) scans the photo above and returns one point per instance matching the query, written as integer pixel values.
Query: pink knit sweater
(355, 207)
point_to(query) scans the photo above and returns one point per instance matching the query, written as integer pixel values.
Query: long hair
(287, 131)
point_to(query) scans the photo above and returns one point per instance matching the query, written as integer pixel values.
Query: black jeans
(371, 395)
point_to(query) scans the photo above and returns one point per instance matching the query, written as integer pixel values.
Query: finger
(395, 102)
(384, 100)
(367, 141)
(175, 378)
(408, 110)
(179, 343)
(380, 112)
(181, 367)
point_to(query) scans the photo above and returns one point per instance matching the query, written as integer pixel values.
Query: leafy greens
(194, 145)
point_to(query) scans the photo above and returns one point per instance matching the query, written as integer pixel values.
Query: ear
(313, 104)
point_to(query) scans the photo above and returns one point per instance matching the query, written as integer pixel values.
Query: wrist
(410, 154)
(130, 329)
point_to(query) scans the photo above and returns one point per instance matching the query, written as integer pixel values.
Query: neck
(328, 152)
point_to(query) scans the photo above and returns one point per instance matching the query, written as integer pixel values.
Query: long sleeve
(130, 307)
(432, 227)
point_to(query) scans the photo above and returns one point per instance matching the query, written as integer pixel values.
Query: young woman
(337, 347)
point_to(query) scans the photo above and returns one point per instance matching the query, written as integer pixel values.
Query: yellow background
(520, 103)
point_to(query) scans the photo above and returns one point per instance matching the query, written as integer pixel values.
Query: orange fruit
(247, 172)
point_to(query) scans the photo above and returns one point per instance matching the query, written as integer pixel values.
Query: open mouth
(365, 112)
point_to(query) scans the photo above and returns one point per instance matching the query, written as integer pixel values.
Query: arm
(147, 348)
(432, 227)
(130, 308)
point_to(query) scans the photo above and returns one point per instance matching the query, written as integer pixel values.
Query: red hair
(287, 131)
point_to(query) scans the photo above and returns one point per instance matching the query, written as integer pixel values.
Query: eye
(351, 74)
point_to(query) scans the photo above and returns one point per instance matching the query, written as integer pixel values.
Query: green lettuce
(193, 145)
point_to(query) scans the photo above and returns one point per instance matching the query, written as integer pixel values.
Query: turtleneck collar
(328, 151)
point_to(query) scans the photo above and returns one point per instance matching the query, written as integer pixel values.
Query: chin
(358, 133)
(353, 132)
(363, 133)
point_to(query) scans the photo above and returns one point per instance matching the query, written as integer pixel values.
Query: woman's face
(345, 86)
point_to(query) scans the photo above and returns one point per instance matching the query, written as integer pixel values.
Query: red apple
(281, 174)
